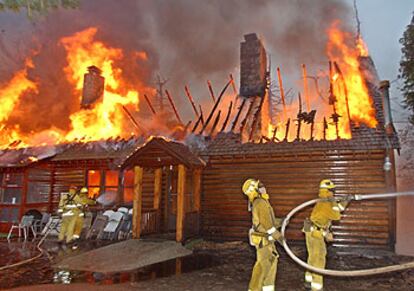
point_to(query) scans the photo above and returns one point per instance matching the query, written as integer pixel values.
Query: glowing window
(94, 178)
(129, 178)
(128, 186)
(111, 178)
(128, 194)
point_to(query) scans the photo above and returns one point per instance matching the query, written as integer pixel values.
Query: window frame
(4, 187)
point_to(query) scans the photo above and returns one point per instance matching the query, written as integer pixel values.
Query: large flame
(10, 93)
(360, 104)
(344, 92)
(105, 119)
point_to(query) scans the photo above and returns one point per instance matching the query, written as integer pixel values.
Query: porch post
(180, 202)
(137, 207)
(157, 188)
(197, 189)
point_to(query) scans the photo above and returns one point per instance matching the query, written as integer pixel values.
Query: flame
(352, 92)
(32, 159)
(105, 119)
(362, 47)
(352, 101)
(10, 94)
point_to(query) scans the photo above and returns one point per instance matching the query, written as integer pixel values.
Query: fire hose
(343, 273)
(41, 253)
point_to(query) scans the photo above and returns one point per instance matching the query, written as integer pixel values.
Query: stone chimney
(253, 67)
(93, 87)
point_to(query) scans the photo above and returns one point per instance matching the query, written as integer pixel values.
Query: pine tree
(407, 68)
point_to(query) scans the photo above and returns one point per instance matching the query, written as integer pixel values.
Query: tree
(407, 68)
(37, 6)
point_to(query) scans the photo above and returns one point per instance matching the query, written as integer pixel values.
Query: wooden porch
(176, 189)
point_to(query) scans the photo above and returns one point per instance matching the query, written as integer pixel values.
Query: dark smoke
(187, 41)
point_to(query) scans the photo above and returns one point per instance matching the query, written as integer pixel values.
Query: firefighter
(262, 235)
(82, 201)
(317, 230)
(66, 208)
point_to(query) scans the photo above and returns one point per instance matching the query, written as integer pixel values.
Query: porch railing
(150, 221)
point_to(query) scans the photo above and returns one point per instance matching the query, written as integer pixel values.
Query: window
(94, 183)
(11, 186)
(38, 192)
(38, 187)
(111, 179)
(97, 178)
(111, 183)
(128, 186)
(9, 214)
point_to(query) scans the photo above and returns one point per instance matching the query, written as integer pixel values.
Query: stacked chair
(126, 224)
(109, 225)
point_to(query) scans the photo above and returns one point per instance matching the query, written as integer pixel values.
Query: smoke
(187, 41)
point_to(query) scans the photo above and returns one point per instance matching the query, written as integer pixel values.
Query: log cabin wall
(291, 179)
(39, 186)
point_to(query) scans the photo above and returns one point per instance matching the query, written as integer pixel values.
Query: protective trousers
(78, 226)
(316, 247)
(67, 228)
(63, 227)
(265, 268)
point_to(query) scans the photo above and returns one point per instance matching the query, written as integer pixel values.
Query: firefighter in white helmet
(262, 235)
(317, 230)
(67, 206)
(82, 201)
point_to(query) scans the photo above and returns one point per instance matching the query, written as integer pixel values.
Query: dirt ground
(228, 268)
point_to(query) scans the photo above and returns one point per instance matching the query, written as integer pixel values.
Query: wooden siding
(291, 180)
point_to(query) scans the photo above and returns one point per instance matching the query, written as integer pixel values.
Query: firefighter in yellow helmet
(317, 230)
(262, 235)
(67, 206)
(82, 201)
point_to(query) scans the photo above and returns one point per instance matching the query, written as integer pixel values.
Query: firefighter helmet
(326, 189)
(251, 186)
(327, 184)
(84, 190)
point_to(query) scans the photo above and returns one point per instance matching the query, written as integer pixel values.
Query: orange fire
(104, 120)
(352, 87)
(10, 93)
(344, 89)
(362, 47)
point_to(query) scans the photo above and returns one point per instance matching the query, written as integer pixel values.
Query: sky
(383, 22)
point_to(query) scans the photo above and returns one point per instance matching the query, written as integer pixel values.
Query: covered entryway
(176, 188)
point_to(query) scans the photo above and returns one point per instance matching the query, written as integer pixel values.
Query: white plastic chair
(113, 224)
(97, 227)
(123, 210)
(52, 226)
(108, 213)
(26, 223)
(40, 224)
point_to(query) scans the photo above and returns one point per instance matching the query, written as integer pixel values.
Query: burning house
(338, 127)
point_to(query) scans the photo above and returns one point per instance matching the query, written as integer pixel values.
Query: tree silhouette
(407, 68)
(34, 7)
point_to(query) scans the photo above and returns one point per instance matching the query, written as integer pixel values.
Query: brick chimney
(253, 66)
(93, 87)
